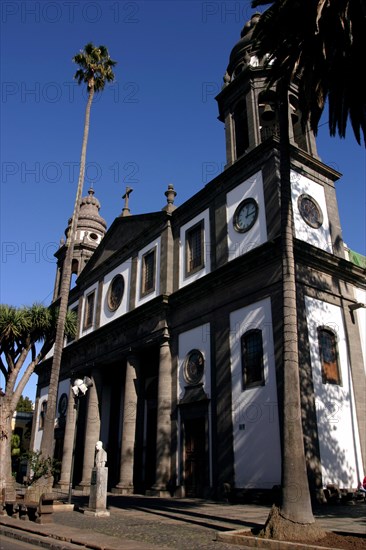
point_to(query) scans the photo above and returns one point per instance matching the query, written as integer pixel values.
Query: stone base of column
(156, 491)
(122, 490)
(95, 513)
(180, 491)
(63, 486)
(84, 488)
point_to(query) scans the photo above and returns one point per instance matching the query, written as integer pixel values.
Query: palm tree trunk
(48, 432)
(294, 520)
(296, 502)
(6, 478)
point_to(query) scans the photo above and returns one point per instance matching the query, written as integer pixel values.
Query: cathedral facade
(180, 323)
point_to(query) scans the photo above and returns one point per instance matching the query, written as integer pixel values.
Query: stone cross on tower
(126, 210)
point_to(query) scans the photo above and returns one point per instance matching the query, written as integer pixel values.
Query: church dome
(90, 221)
(241, 55)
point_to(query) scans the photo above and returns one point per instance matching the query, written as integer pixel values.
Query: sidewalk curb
(35, 540)
(65, 538)
(238, 537)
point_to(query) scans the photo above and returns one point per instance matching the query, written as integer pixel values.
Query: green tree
(95, 70)
(21, 329)
(15, 446)
(24, 404)
(321, 45)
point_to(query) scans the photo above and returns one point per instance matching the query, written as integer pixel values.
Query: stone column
(163, 435)
(92, 431)
(125, 484)
(68, 448)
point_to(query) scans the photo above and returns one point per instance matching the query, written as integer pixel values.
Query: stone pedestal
(98, 493)
(43, 485)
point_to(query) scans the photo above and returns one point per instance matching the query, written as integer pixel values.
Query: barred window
(252, 359)
(148, 272)
(89, 310)
(42, 414)
(194, 248)
(329, 356)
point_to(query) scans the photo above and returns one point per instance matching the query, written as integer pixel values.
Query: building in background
(180, 323)
(21, 427)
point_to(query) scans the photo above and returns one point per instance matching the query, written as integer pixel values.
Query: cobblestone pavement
(178, 524)
(192, 523)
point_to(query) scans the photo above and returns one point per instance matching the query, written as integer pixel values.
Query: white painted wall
(336, 418)
(317, 237)
(86, 235)
(257, 448)
(197, 338)
(142, 299)
(360, 313)
(241, 243)
(106, 314)
(206, 268)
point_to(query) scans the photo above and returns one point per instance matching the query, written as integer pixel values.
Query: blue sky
(157, 124)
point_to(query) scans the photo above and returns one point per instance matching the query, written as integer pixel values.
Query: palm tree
(95, 70)
(313, 54)
(320, 44)
(295, 517)
(20, 330)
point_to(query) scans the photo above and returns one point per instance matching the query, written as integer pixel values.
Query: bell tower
(90, 230)
(248, 109)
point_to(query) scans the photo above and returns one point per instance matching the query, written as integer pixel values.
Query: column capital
(133, 359)
(165, 337)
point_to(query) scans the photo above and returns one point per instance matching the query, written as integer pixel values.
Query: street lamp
(79, 388)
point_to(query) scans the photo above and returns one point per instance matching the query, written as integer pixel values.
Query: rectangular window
(89, 310)
(194, 248)
(148, 272)
(42, 415)
(252, 359)
(329, 357)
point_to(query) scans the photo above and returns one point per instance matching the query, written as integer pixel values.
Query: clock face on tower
(310, 211)
(245, 215)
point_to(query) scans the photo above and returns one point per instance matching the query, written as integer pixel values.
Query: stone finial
(126, 211)
(170, 196)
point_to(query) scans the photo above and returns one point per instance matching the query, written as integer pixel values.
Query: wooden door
(195, 457)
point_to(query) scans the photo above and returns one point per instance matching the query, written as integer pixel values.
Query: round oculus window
(310, 211)
(115, 292)
(245, 215)
(62, 404)
(193, 367)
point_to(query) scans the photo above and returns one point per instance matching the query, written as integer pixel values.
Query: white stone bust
(100, 455)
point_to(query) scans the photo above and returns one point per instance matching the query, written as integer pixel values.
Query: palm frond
(321, 44)
(14, 323)
(95, 66)
(71, 324)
